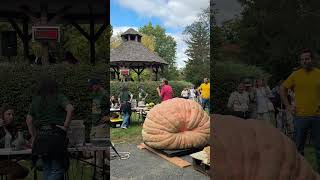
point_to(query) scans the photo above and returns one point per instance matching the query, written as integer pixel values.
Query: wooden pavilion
(49, 12)
(133, 55)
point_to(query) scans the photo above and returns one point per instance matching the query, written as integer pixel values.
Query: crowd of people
(200, 94)
(48, 121)
(164, 91)
(294, 101)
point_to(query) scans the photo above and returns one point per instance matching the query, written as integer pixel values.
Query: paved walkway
(144, 165)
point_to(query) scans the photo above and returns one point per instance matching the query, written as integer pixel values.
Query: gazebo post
(23, 35)
(92, 39)
(25, 39)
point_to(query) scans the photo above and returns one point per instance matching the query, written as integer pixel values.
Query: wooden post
(25, 40)
(92, 39)
(45, 45)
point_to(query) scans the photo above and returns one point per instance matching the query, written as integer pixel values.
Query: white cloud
(181, 57)
(173, 13)
(179, 38)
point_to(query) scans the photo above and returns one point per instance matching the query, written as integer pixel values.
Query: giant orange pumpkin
(254, 150)
(176, 124)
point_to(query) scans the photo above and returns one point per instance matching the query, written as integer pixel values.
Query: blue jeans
(53, 169)
(126, 119)
(205, 103)
(301, 127)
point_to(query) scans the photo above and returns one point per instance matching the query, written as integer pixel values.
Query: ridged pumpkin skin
(254, 150)
(176, 124)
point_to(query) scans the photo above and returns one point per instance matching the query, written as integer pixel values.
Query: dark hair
(5, 107)
(165, 82)
(307, 51)
(48, 90)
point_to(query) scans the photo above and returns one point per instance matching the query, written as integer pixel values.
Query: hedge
(18, 83)
(225, 76)
(149, 87)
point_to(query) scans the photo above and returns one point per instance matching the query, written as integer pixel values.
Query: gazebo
(53, 13)
(131, 54)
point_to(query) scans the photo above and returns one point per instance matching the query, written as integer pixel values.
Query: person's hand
(62, 127)
(31, 141)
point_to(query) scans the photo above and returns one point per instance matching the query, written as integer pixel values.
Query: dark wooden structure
(133, 55)
(49, 12)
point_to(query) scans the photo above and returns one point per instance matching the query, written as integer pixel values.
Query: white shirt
(185, 93)
(262, 97)
(192, 93)
(239, 101)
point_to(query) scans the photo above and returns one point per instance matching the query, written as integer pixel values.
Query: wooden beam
(82, 31)
(135, 71)
(92, 39)
(16, 28)
(26, 39)
(100, 31)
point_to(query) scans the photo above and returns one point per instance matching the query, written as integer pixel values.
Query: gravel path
(144, 165)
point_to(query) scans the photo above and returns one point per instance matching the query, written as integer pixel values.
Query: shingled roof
(131, 32)
(133, 53)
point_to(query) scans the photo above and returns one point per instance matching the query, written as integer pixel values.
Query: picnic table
(10, 153)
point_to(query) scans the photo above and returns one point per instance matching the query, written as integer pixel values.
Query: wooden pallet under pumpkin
(174, 160)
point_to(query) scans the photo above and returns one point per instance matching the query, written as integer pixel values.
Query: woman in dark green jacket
(48, 120)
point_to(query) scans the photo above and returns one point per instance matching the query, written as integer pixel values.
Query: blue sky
(173, 15)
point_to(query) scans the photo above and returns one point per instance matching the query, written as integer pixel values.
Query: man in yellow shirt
(305, 82)
(204, 91)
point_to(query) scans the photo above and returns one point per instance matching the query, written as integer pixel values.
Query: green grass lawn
(132, 134)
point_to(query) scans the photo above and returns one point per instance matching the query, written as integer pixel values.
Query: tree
(274, 32)
(198, 50)
(165, 47)
(147, 41)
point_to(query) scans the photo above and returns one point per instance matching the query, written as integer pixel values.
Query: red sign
(124, 72)
(46, 33)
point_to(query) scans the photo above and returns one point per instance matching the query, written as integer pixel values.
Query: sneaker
(124, 128)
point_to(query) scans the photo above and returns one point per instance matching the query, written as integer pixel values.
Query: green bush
(149, 87)
(18, 83)
(225, 76)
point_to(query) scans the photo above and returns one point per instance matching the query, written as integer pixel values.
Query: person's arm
(199, 89)
(69, 109)
(31, 129)
(29, 121)
(159, 92)
(104, 109)
(131, 96)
